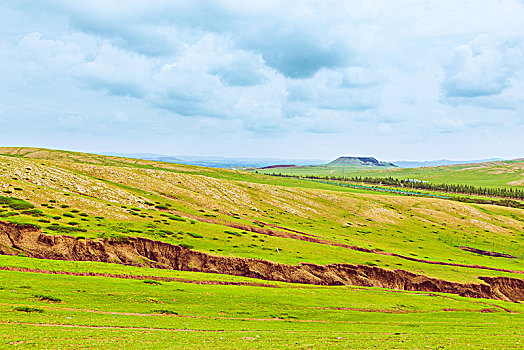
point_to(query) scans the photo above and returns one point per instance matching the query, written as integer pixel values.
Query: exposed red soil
(487, 252)
(279, 166)
(400, 311)
(138, 251)
(451, 264)
(111, 327)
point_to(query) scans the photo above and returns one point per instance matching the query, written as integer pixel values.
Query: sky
(406, 79)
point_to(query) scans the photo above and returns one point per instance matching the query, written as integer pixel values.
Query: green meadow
(39, 309)
(508, 174)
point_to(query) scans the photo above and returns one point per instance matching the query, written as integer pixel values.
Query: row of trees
(411, 183)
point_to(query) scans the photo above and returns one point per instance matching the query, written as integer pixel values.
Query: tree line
(411, 183)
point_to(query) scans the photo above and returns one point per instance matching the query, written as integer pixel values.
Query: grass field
(509, 174)
(79, 311)
(249, 215)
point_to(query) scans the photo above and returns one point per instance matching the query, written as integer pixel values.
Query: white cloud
(271, 69)
(484, 67)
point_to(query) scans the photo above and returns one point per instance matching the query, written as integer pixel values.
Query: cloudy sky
(407, 79)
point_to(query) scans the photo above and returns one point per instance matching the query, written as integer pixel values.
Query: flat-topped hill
(358, 161)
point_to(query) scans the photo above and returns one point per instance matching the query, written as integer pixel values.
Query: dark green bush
(152, 282)
(27, 309)
(9, 213)
(194, 235)
(165, 312)
(233, 233)
(42, 297)
(176, 218)
(33, 212)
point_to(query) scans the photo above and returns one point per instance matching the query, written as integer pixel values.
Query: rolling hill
(148, 249)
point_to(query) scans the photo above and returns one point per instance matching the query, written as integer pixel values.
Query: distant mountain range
(359, 161)
(228, 163)
(219, 162)
(419, 164)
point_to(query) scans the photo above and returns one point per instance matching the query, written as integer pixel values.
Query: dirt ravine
(15, 239)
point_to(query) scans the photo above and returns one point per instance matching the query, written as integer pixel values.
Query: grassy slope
(492, 174)
(418, 227)
(113, 196)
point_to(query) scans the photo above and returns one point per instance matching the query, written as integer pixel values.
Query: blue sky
(291, 79)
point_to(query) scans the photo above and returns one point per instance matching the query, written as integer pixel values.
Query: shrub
(27, 309)
(194, 235)
(152, 282)
(176, 218)
(233, 233)
(185, 245)
(9, 213)
(42, 297)
(165, 312)
(33, 212)
(160, 206)
(68, 215)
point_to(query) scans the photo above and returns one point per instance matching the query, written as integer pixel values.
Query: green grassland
(509, 174)
(213, 211)
(91, 312)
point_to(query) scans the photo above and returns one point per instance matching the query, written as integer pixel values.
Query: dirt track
(141, 251)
